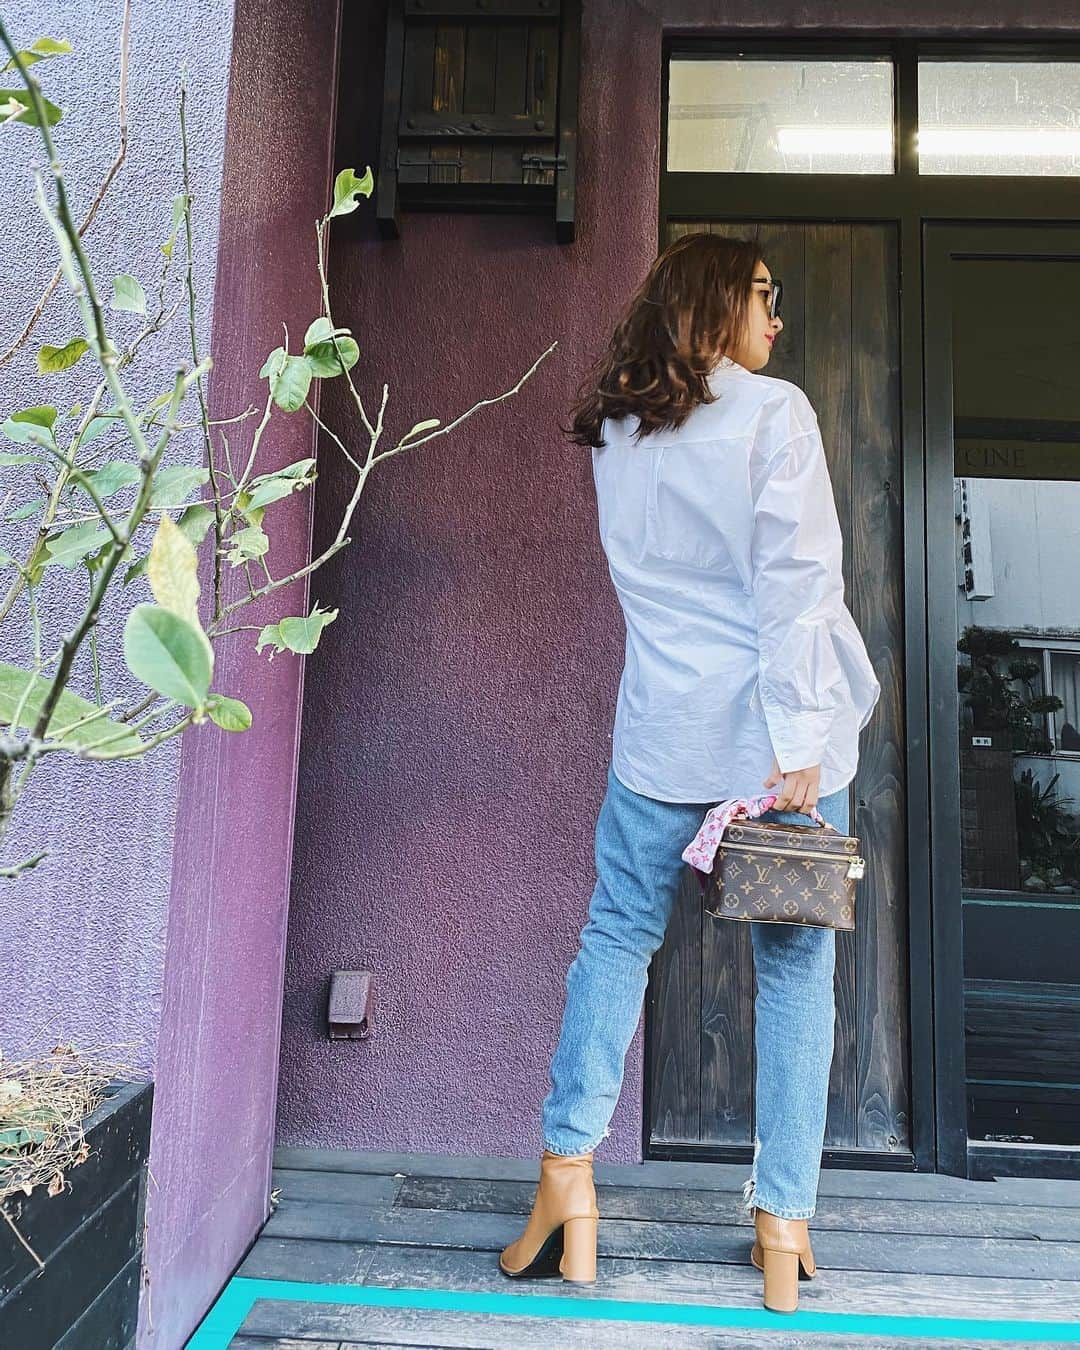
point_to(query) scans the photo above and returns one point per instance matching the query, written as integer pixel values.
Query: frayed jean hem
(751, 1200)
(575, 1152)
(784, 1213)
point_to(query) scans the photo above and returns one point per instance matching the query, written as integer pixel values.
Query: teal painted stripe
(1026, 904)
(227, 1315)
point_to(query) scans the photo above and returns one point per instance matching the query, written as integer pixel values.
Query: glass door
(1002, 350)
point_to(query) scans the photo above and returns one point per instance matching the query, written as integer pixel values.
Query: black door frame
(943, 244)
(910, 201)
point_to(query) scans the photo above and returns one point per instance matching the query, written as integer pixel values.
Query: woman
(744, 672)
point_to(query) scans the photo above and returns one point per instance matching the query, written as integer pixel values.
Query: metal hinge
(543, 161)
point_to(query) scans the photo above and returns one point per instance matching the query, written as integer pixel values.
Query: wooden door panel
(841, 344)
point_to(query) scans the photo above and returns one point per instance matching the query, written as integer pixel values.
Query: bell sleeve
(797, 582)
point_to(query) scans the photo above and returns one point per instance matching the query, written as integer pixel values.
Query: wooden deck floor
(887, 1245)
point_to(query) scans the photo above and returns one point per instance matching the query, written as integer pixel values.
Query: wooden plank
(543, 55)
(274, 1258)
(511, 74)
(46, 1305)
(876, 544)
(827, 379)
(447, 95)
(723, 1039)
(726, 1285)
(417, 92)
(707, 1176)
(413, 1327)
(344, 1188)
(285, 1343)
(932, 1254)
(673, 1004)
(478, 96)
(873, 1217)
(109, 1322)
(1022, 1031)
(833, 1290)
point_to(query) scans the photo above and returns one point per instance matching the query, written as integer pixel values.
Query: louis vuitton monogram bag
(766, 872)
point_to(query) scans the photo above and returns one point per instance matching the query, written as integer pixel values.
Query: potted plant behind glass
(1001, 713)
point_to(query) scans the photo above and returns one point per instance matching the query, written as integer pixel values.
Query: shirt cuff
(799, 739)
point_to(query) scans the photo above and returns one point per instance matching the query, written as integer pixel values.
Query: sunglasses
(776, 290)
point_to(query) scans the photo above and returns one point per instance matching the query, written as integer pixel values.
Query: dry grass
(44, 1103)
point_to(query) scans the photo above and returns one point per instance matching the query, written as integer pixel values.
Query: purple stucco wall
(457, 717)
(216, 1078)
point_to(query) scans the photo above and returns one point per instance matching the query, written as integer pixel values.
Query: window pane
(999, 117)
(1016, 409)
(780, 116)
(1065, 685)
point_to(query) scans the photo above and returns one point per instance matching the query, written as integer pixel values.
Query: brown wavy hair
(689, 311)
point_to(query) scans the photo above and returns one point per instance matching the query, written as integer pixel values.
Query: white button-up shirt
(724, 545)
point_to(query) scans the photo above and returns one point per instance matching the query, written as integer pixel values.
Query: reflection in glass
(999, 117)
(1017, 511)
(780, 116)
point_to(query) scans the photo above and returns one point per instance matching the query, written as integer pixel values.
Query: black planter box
(90, 1238)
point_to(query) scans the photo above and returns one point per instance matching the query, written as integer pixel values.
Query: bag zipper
(856, 864)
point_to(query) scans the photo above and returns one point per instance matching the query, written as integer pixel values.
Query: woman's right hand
(798, 790)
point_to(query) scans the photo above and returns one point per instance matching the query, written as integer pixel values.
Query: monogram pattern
(765, 878)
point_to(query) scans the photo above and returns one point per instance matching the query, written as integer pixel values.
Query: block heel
(781, 1281)
(578, 1264)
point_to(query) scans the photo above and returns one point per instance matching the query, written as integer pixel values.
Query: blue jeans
(639, 842)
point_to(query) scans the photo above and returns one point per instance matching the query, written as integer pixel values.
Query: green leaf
(70, 545)
(24, 431)
(174, 484)
(96, 425)
(250, 542)
(299, 635)
(128, 294)
(53, 359)
(193, 523)
(271, 487)
(290, 382)
(10, 98)
(168, 654)
(172, 571)
(180, 206)
(69, 709)
(323, 358)
(44, 416)
(429, 425)
(110, 478)
(273, 363)
(29, 509)
(321, 330)
(229, 713)
(346, 187)
(42, 48)
(9, 461)
(299, 468)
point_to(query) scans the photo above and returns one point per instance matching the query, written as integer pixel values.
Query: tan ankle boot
(560, 1236)
(780, 1247)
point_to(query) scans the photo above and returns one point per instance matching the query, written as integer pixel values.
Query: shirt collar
(726, 363)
